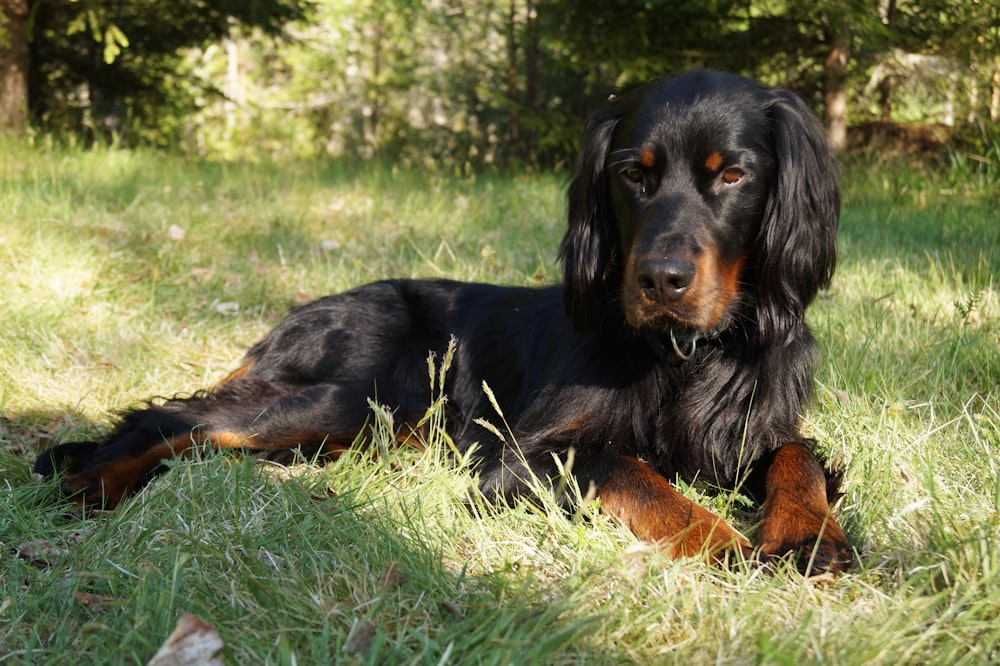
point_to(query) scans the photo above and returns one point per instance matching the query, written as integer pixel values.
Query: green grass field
(131, 274)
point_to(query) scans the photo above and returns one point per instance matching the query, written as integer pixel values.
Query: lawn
(128, 274)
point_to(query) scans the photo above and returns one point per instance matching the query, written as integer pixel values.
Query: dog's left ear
(798, 234)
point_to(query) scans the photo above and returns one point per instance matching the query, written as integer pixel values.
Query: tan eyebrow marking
(648, 158)
(713, 161)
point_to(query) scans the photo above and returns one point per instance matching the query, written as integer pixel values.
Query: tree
(950, 50)
(835, 82)
(803, 46)
(466, 82)
(14, 61)
(117, 66)
(810, 47)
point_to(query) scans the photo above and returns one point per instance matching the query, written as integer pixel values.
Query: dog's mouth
(676, 335)
(674, 321)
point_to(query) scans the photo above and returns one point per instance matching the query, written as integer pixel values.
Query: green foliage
(469, 84)
(115, 69)
(494, 84)
(108, 34)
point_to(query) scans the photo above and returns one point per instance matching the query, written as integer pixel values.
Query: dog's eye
(633, 175)
(732, 176)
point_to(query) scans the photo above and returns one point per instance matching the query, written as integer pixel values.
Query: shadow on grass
(24, 435)
(284, 569)
(959, 234)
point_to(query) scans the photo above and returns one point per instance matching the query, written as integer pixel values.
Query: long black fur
(565, 364)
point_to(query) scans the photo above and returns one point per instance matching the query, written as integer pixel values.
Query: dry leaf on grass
(39, 552)
(392, 576)
(193, 642)
(79, 536)
(228, 308)
(97, 602)
(42, 552)
(361, 639)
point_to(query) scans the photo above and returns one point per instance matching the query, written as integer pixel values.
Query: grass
(128, 274)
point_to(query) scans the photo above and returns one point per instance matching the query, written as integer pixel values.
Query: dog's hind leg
(323, 420)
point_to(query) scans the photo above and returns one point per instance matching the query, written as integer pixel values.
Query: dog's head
(699, 200)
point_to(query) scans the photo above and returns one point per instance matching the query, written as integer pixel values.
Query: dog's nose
(665, 280)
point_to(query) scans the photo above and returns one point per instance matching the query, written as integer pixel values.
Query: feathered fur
(702, 217)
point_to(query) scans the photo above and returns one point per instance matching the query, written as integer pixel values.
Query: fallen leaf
(228, 308)
(79, 536)
(193, 642)
(39, 551)
(96, 602)
(360, 641)
(392, 576)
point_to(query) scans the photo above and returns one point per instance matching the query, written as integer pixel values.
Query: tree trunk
(888, 83)
(375, 93)
(885, 88)
(512, 91)
(835, 93)
(14, 61)
(995, 96)
(531, 51)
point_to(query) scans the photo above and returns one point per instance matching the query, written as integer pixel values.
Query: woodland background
(471, 83)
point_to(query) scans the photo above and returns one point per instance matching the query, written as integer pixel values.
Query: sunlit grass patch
(132, 274)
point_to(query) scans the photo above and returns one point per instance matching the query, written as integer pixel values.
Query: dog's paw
(813, 556)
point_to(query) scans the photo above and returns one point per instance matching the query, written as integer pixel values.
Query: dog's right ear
(798, 236)
(589, 249)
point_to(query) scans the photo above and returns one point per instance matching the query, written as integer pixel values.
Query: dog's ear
(588, 248)
(797, 242)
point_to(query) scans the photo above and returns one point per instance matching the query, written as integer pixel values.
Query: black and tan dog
(702, 219)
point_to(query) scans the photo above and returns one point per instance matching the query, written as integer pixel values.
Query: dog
(702, 217)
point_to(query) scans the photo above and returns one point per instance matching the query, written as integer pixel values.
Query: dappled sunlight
(177, 176)
(116, 290)
(65, 284)
(927, 294)
(47, 273)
